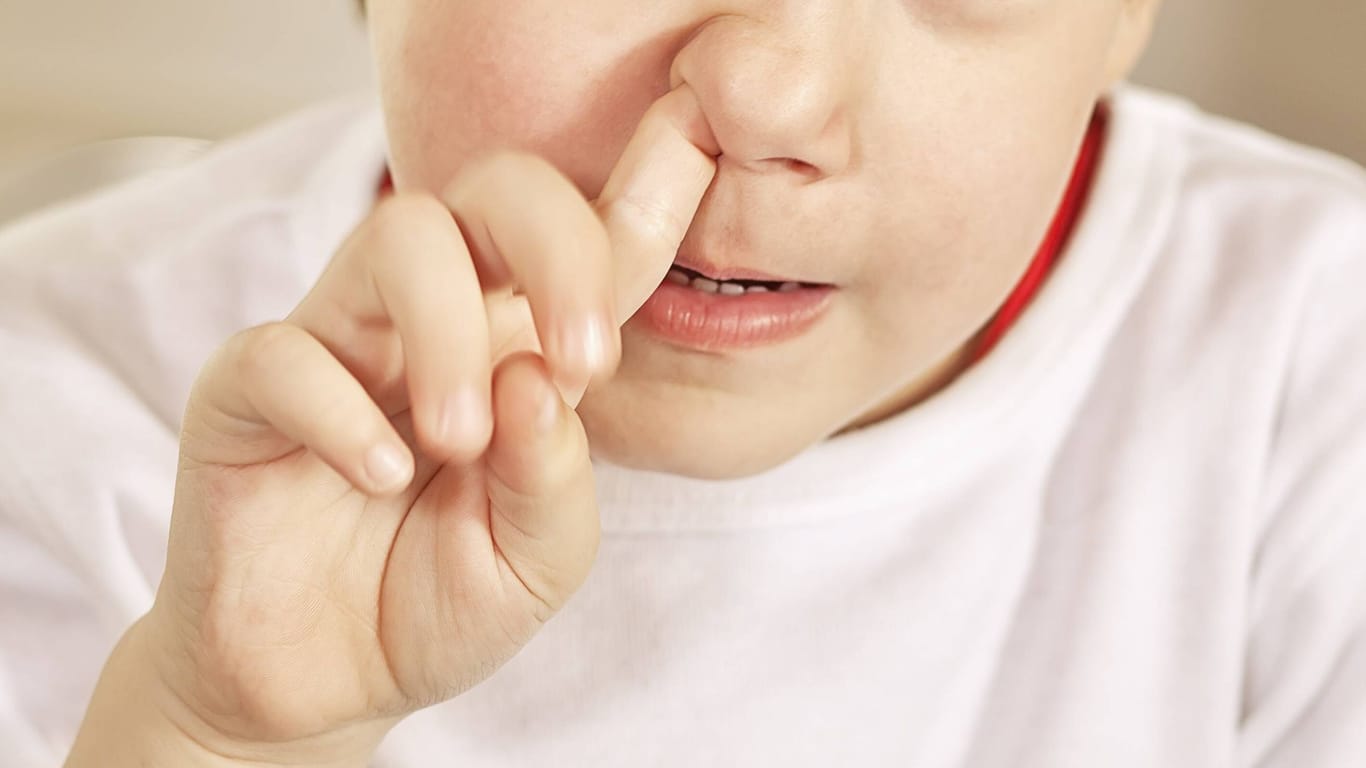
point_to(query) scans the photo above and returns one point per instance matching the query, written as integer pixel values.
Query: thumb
(543, 514)
(653, 193)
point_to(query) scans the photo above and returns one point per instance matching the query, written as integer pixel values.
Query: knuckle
(594, 237)
(565, 470)
(559, 473)
(511, 164)
(510, 168)
(260, 351)
(652, 220)
(407, 234)
(397, 217)
(580, 245)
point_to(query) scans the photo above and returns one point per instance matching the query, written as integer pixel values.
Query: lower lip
(714, 321)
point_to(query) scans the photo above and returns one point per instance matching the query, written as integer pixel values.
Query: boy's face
(933, 139)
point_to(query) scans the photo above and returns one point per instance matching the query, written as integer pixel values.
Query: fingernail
(387, 466)
(595, 343)
(586, 342)
(463, 417)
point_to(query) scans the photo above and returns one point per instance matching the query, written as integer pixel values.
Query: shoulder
(1248, 322)
(1257, 230)
(1233, 180)
(1249, 192)
(1275, 228)
(1245, 341)
(109, 304)
(1264, 256)
(1217, 149)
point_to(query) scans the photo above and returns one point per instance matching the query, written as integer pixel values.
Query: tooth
(757, 289)
(678, 278)
(789, 287)
(732, 289)
(705, 285)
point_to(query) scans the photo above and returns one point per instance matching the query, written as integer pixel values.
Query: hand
(382, 498)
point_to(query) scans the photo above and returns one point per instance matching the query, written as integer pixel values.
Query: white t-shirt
(1135, 535)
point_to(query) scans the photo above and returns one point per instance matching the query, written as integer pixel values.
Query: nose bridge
(776, 87)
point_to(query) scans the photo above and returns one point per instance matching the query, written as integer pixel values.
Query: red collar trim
(1055, 242)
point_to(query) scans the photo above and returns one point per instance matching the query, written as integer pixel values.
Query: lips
(709, 308)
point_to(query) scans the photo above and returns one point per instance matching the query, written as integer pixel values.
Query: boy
(756, 254)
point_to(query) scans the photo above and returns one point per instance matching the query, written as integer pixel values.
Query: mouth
(732, 286)
(707, 308)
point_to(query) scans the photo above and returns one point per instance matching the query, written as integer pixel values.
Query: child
(875, 480)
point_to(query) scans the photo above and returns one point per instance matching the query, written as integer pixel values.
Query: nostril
(792, 165)
(775, 165)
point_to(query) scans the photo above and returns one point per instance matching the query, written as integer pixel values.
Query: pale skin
(382, 497)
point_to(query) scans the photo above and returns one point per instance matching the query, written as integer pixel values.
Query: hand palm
(393, 604)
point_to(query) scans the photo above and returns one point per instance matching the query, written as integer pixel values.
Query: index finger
(653, 194)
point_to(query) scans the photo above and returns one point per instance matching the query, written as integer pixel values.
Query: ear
(1132, 32)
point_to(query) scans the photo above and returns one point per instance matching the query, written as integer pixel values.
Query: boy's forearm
(126, 726)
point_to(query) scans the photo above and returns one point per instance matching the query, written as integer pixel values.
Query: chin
(695, 440)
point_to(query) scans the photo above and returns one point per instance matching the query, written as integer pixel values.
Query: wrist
(134, 719)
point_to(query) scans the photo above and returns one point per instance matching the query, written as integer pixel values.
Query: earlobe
(1132, 32)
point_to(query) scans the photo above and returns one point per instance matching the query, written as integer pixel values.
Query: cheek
(500, 80)
(452, 92)
(973, 174)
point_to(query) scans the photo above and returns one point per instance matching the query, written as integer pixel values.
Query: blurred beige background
(72, 71)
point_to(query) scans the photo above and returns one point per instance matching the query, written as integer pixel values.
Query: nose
(776, 90)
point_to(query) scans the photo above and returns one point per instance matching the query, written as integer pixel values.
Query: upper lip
(721, 273)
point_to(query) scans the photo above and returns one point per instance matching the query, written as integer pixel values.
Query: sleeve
(86, 480)
(1304, 694)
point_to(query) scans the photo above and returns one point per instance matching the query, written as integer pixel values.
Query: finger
(530, 228)
(544, 512)
(274, 388)
(653, 193)
(408, 266)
